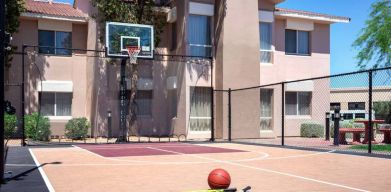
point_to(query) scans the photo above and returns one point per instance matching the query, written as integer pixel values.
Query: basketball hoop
(133, 52)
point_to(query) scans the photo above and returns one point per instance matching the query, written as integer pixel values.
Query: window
(199, 32)
(56, 39)
(144, 102)
(265, 36)
(356, 105)
(266, 109)
(333, 106)
(359, 115)
(297, 42)
(298, 103)
(56, 104)
(173, 102)
(200, 109)
(347, 116)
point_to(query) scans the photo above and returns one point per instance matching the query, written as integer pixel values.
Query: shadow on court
(23, 174)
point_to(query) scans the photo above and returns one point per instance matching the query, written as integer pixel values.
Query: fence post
(282, 113)
(327, 124)
(212, 120)
(229, 116)
(337, 117)
(2, 64)
(23, 96)
(212, 103)
(370, 135)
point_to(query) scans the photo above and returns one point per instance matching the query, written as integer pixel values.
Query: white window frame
(210, 35)
(298, 115)
(197, 117)
(272, 47)
(271, 113)
(55, 106)
(297, 44)
(55, 42)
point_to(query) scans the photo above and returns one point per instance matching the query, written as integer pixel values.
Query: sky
(342, 34)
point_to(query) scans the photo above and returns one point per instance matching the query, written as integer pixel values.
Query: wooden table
(366, 123)
(356, 135)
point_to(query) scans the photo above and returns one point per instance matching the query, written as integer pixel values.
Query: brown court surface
(177, 169)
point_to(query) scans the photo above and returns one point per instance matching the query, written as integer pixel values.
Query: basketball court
(185, 167)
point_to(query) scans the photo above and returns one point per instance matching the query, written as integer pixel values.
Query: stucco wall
(346, 95)
(51, 67)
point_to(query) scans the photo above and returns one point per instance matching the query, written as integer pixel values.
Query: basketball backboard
(121, 35)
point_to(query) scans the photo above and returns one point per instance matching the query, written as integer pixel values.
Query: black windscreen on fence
(347, 112)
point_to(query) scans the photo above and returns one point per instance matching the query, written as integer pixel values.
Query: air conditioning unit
(171, 15)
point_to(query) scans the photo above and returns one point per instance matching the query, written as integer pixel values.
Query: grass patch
(374, 147)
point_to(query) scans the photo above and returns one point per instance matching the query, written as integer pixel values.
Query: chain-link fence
(347, 112)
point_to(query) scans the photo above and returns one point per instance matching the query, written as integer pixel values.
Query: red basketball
(219, 179)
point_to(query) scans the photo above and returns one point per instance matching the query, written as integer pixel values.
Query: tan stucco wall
(240, 64)
(52, 67)
(346, 95)
(292, 67)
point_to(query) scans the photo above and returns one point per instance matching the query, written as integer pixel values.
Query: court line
(270, 171)
(304, 155)
(43, 174)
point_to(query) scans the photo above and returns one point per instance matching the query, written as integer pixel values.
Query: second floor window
(199, 31)
(61, 40)
(297, 42)
(265, 36)
(333, 106)
(356, 105)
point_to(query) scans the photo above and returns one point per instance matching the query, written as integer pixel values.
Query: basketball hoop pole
(123, 101)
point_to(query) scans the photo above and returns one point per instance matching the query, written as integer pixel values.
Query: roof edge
(55, 17)
(310, 15)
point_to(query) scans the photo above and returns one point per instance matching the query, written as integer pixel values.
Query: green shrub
(10, 122)
(311, 129)
(77, 128)
(37, 127)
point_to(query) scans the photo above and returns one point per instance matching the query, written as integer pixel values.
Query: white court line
(269, 171)
(304, 155)
(43, 174)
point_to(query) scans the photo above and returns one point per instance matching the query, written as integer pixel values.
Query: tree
(13, 10)
(131, 11)
(374, 42)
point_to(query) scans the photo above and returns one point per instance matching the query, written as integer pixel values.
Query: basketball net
(133, 52)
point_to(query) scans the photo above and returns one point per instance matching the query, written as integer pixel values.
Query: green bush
(311, 129)
(37, 127)
(77, 128)
(10, 122)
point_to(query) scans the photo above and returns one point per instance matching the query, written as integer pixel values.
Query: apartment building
(354, 101)
(252, 43)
